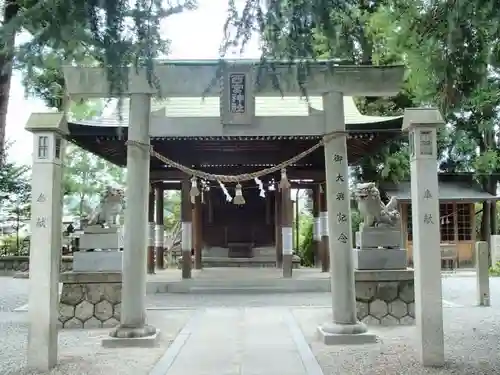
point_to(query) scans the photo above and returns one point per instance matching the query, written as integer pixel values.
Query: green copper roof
(264, 106)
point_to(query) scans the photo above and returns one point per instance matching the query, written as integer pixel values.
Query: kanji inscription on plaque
(237, 98)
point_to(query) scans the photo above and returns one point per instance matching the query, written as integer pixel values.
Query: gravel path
(472, 334)
(472, 344)
(80, 352)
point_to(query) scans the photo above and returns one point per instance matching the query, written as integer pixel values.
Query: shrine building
(247, 233)
(186, 129)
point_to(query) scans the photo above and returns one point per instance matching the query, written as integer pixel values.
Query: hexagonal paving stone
(411, 309)
(361, 309)
(398, 309)
(66, 312)
(84, 310)
(389, 320)
(72, 294)
(92, 323)
(365, 291)
(117, 311)
(371, 321)
(73, 323)
(113, 292)
(110, 323)
(387, 291)
(95, 292)
(378, 308)
(407, 292)
(407, 321)
(104, 310)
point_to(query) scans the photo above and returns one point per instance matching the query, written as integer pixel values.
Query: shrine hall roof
(452, 187)
(210, 107)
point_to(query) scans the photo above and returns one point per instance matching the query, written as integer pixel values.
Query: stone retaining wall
(10, 265)
(90, 299)
(385, 297)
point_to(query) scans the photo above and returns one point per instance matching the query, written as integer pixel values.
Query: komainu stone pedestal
(380, 259)
(98, 261)
(96, 237)
(378, 237)
(385, 297)
(90, 299)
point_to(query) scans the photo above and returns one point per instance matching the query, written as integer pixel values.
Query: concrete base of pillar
(345, 334)
(287, 265)
(125, 337)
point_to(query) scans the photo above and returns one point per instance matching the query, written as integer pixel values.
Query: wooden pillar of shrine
(323, 215)
(160, 226)
(151, 232)
(278, 240)
(287, 231)
(187, 231)
(197, 234)
(316, 244)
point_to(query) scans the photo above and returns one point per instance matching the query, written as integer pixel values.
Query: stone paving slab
(239, 341)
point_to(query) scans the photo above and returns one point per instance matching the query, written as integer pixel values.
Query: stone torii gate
(191, 79)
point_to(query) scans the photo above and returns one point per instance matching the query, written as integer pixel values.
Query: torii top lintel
(181, 78)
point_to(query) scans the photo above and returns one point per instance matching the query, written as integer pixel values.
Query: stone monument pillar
(133, 330)
(344, 327)
(46, 220)
(286, 230)
(151, 231)
(197, 237)
(187, 231)
(316, 226)
(160, 227)
(323, 230)
(421, 124)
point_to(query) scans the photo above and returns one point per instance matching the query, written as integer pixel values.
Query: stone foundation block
(372, 238)
(108, 238)
(97, 261)
(90, 299)
(380, 259)
(385, 297)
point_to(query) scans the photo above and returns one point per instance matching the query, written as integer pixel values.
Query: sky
(194, 35)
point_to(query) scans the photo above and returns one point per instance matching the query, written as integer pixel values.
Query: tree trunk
(10, 11)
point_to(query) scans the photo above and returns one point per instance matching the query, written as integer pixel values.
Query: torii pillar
(133, 330)
(344, 327)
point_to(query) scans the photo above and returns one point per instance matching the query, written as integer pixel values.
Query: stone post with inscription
(344, 327)
(482, 273)
(323, 230)
(133, 330)
(45, 254)
(422, 124)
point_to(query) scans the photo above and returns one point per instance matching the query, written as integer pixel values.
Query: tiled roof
(448, 191)
(264, 106)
